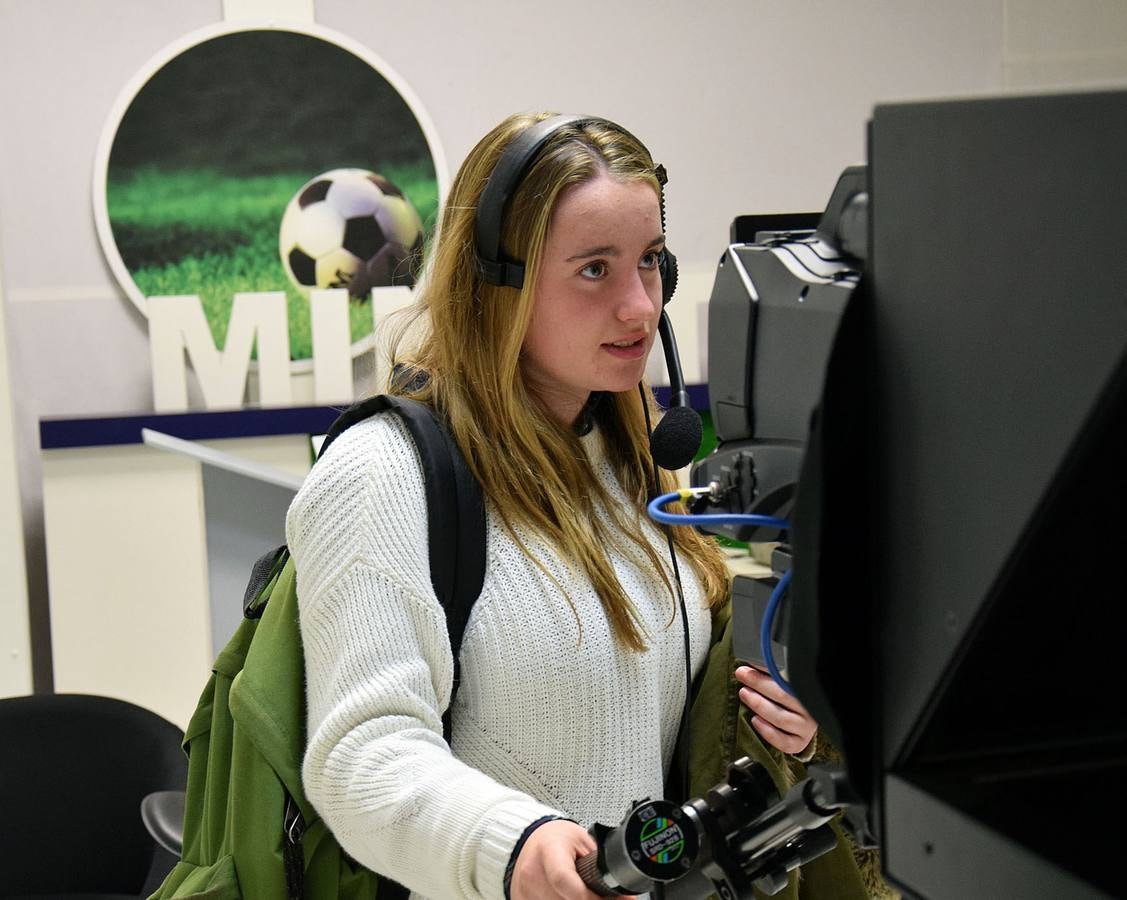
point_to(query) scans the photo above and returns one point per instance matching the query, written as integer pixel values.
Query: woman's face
(598, 294)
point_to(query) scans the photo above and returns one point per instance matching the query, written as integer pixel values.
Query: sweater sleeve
(379, 672)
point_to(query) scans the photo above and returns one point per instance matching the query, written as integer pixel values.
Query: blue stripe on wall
(56, 434)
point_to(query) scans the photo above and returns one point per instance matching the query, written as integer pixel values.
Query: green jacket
(721, 732)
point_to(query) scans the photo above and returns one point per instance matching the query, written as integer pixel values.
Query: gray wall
(752, 106)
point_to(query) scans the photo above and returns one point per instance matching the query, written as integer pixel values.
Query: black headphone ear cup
(667, 268)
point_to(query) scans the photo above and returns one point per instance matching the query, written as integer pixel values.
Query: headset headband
(502, 184)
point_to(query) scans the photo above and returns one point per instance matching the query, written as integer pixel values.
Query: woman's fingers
(779, 718)
(545, 867)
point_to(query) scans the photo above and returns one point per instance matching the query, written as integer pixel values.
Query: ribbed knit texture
(544, 722)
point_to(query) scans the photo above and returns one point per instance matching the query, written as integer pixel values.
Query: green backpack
(249, 830)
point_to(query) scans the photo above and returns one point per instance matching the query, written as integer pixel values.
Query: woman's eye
(594, 270)
(652, 259)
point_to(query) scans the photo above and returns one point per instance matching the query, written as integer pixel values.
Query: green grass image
(198, 231)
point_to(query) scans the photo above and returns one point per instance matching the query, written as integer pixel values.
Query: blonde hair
(531, 467)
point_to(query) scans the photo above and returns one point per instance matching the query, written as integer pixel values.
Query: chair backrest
(73, 771)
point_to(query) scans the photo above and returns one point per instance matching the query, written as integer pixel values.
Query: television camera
(928, 382)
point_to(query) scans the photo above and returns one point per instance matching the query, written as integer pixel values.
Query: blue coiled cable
(660, 515)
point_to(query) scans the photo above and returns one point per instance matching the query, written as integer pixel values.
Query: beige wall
(735, 88)
(15, 649)
(1050, 44)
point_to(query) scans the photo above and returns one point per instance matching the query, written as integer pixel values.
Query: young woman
(573, 661)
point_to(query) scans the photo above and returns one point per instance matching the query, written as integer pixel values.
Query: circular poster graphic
(267, 159)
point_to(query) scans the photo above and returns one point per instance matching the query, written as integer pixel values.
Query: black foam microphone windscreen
(677, 438)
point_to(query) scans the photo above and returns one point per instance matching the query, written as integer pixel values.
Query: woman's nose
(641, 297)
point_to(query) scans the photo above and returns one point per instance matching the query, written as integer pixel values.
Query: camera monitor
(959, 599)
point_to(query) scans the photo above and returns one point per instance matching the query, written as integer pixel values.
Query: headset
(503, 182)
(677, 437)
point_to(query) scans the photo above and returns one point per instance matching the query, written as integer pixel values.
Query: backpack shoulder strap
(455, 508)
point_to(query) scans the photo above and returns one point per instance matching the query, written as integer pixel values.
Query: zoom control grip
(656, 843)
(588, 868)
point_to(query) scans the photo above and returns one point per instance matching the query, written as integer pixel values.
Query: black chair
(74, 770)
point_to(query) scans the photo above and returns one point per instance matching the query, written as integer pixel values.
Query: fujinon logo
(663, 841)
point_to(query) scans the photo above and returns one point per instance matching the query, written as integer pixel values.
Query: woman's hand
(778, 717)
(545, 867)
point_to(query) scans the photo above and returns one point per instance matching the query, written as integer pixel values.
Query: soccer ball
(350, 228)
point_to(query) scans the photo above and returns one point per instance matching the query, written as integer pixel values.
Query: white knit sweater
(550, 718)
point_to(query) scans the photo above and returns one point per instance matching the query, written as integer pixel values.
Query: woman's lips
(631, 350)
